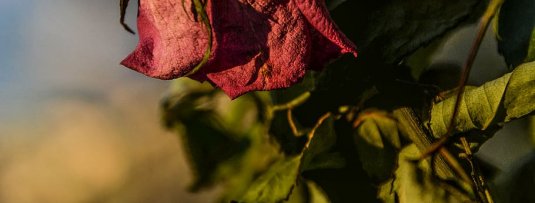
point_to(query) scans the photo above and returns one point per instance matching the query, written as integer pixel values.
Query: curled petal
(171, 40)
(257, 44)
(318, 16)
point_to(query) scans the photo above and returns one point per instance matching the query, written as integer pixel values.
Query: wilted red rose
(256, 44)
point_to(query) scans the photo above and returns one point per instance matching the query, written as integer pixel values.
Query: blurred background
(75, 126)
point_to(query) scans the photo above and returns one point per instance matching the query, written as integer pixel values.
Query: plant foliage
(365, 129)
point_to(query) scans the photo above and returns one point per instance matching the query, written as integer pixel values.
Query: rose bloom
(246, 45)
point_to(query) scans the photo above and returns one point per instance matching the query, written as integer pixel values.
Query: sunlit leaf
(386, 192)
(415, 182)
(275, 184)
(504, 99)
(520, 93)
(377, 139)
(317, 195)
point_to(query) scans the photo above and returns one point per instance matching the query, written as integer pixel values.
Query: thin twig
(291, 122)
(292, 104)
(201, 10)
(123, 4)
(289, 106)
(477, 178)
(318, 123)
(483, 25)
(454, 164)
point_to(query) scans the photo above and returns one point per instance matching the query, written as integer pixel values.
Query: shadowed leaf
(318, 154)
(531, 49)
(218, 151)
(395, 28)
(516, 25)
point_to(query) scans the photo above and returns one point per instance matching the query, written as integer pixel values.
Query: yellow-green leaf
(415, 182)
(317, 195)
(377, 139)
(531, 49)
(275, 184)
(482, 107)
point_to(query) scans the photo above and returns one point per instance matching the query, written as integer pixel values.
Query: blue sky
(50, 47)
(11, 49)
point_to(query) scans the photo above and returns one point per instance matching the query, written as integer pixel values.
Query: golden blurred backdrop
(75, 126)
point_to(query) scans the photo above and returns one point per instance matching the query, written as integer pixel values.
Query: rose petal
(171, 41)
(318, 16)
(257, 44)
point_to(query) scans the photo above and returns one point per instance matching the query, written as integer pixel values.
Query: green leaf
(375, 125)
(237, 174)
(281, 131)
(225, 140)
(395, 28)
(415, 182)
(386, 192)
(275, 184)
(316, 194)
(421, 59)
(289, 99)
(516, 25)
(200, 9)
(286, 95)
(377, 139)
(330, 160)
(202, 133)
(532, 129)
(502, 100)
(520, 93)
(317, 154)
(332, 4)
(531, 49)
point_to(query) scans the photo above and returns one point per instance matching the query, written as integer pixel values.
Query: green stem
(200, 8)
(292, 104)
